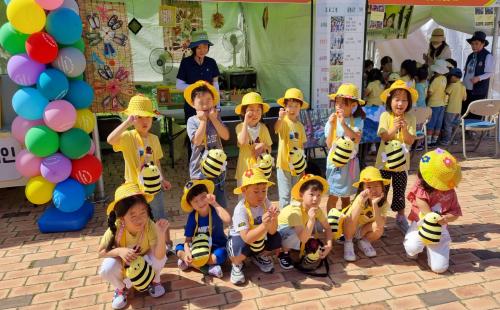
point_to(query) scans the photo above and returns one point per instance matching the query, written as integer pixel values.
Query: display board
(388, 21)
(440, 2)
(339, 40)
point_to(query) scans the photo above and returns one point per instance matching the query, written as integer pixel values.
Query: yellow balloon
(39, 191)
(85, 120)
(26, 16)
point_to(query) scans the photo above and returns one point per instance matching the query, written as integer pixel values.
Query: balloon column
(44, 39)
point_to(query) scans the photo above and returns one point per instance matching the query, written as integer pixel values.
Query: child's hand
(325, 252)
(340, 116)
(312, 212)
(443, 221)
(376, 200)
(210, 199)
(248, 116)
(259, 148)
(332, 118)
(188, 257)
(128, 254)
(365, 194)
(274, 211)
(266, 218)
(202, 115)
(131, 119)
(213, 114)
(166, 185)
(162, 226)
(282, 113)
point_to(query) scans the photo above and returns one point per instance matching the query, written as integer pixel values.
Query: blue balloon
(29, 103)
(80, 94)
(64, 25)
(53, 84)
(68, 195)
(89, 189)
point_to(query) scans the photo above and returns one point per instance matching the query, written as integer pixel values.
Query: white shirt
(489, 69)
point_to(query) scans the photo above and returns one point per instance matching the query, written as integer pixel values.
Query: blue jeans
(285, 183)
(219, 192)
(158, 206)
(436, 121)
(451, 121)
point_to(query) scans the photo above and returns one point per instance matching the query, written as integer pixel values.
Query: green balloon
(42, 141)
(75, 143)
(13, 41)
(80, 44)
(79, 78)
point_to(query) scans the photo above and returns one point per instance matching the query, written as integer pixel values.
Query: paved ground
(59, 271)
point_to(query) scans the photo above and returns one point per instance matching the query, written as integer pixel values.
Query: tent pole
(494, 45)
(95, 137)
(311, 51)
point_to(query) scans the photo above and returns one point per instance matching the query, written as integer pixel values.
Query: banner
(439, 2)
(484, 18)
(388, 21)
(339, 40)
(9, 148)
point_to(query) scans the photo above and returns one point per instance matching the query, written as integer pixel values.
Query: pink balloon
(50, 4)
(92, 147)
(28, 164)
(60, 115)
(20, 127)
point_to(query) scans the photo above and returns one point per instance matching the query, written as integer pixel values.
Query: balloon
(80, 45)
(28, 164)
(50, 4)
(53, 84)
(85, 120)
(42, 141)
(89, 190)
(12, 40)
(80, 94)
(59, 115)
(29, 103)
(38, 190)
(71, 61)
(69, 195)
(92, 148)
(72, 5)
(42, 47)
(26, 16)
(87, 169)
(75, 143)
(20, 127)
(23, 70)
(64, 25)
(55, 168)
(76, 78)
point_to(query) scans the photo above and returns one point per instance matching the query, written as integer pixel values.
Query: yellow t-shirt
(456, 95)
(375, 88)
(291, 134)
(129, 241)
(437, 92)
(295, 215)
(384, 126)
(409, 82)
(366, 216)
(130, 145)
(246, 150)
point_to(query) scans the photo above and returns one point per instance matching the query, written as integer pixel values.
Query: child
(254, 230)
(374, 88)
(346, 121)
(422, 85)
(365, 217)
(253, 136)
(386, 67)
(434, 191)
(436, 100)
(298, 220)
(291, 134)
(393, 77)
(397, 124)
(207, 218)
(205, 129)
(456, 94)
(408, 71)
(139, 147)
(131, 233)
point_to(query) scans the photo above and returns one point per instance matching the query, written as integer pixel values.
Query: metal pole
(100, 183)
(494, 48)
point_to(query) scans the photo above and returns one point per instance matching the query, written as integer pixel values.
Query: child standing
(397, 124)
(254, 232)
(434, 191)
(253, 136)
(365, 217)
(206, 219)
(408, 71)
(346, 122)
(205, 130)
(140, 147)
(456, 94)
(422, 86)
(298, 220)
(374, 88)
(291, 134)
(132, 233)
(436, 100)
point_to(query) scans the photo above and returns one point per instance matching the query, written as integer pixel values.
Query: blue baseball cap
(456, 72)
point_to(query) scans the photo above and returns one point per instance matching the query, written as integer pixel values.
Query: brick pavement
(59, 271)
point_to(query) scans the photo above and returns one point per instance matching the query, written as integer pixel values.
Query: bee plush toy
(265, 163)
(140, 273)
(430, 230)
(200, 250)
(334, 219)
(214, 163)
(342, 152)
(151, 178)
(394, 155)
(297, 161)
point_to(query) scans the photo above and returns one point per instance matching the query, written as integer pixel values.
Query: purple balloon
(23, 70)
(28, 164)
(20, 127)
(56, 168)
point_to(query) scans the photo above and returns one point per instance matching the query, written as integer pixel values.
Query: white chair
(488, 109)
(422, 115)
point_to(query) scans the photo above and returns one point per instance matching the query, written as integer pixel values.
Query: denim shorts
(236, 246)
(220, 253)
(158, 206)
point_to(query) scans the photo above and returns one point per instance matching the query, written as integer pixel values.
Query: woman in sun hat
(438, 48)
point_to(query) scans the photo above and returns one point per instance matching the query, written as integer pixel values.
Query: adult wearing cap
(479, 68)
(438, 49)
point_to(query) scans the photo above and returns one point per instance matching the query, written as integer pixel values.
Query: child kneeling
(205, 244)
(255, 223)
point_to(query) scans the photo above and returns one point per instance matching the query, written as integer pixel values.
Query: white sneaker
(119, 299)
(366, 247)
(237, 276)
(182, 265)
(414, 257)
(402, 223)
(215, 271)
(349, 254)
(156, 290)
(265, 263)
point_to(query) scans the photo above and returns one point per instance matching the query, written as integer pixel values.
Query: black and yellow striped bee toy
(430, 230)
(335, 218)
(342, 151)
(151, 178)
(140, 273)
(297, 161)
(200, 250)
(394, 155)
(213, 163)
(265, 164)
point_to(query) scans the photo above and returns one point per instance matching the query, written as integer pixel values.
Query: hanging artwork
(108, 54)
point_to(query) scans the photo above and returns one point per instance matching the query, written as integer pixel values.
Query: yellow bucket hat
(293, 93)
(371, 174)
(347, 90)
(140, 105)
(251, 177)
(307, 178)
(127, 190)
(185, 206)
(399, 84)
(440, 170)
(252, 98)
(190, 88)
(393, 77)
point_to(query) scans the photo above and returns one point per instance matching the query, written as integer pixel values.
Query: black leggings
(399, 182)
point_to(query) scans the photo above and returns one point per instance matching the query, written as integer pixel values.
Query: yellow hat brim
(253, 181)
(141, 113)
(428, 174)
(298, 185)
(413, 92)
(189, 90)
(148, 197)
(384, 181)
(333, 96)
(185, 206)
(265, 107)
(303, 106)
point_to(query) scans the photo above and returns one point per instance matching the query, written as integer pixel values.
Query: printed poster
(484, 18)
(388, 21)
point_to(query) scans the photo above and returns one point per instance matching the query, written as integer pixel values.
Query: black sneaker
(285, 260)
